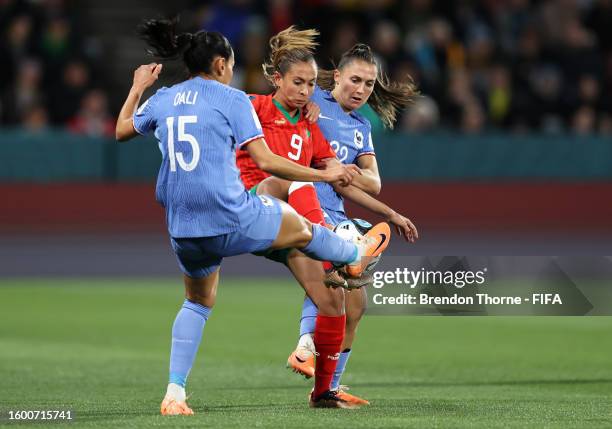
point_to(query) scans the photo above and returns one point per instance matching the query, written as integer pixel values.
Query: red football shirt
(293, 138)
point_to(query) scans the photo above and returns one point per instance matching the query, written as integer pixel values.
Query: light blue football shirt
(349, 134)
(199, 124)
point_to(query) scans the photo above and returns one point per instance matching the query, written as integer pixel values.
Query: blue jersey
(349, 134)
(199, 124)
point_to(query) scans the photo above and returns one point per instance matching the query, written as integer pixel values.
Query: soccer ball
(350, 229)
(347, 230)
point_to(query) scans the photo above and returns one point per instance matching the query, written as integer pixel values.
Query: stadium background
(508, 149)
(507, 152)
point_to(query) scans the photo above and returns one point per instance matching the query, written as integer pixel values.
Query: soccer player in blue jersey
(357, 80)
(199, 123)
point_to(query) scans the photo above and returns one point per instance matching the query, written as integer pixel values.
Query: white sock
(176, 392)
(307, 342)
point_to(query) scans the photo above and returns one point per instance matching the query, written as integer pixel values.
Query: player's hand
(404, 227)
(146, 75)
(342, 174)
(312, 111)
(323, 164)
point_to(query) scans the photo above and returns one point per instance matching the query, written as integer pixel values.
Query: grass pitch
(100, 348)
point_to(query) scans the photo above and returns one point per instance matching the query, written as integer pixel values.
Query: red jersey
(293, 138)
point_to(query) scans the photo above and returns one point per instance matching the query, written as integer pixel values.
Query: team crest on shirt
(358, 139)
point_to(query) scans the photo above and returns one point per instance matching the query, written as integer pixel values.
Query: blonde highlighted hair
(288, 47)
(387, 98)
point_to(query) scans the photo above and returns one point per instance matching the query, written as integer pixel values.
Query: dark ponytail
(387, 97)
(196, 50)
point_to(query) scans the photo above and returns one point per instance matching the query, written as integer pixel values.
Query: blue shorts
(333, 217)
(201, 256)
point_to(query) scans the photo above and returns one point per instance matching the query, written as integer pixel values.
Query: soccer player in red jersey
(288, 133)
(291, 136)
(293, 71)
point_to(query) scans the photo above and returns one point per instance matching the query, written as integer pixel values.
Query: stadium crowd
(514, 65)
(48, 77)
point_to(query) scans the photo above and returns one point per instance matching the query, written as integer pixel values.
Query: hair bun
(361, 48)
(184, 40)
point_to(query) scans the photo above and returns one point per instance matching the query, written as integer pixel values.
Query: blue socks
(186, 336)
(309, 317)
(342, 360)
(326, 245)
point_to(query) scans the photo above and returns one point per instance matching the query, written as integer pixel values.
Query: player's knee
(303, 234)
(206, 296)
(275, 187)
(205, 300)
(264, 188)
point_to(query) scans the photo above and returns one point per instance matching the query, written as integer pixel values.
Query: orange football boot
(330, 399)
(171, 407)
(302, 362)
(351, 399)
(372, 244)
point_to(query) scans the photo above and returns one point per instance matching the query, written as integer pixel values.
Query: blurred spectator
(39, 83)
(599, 19)
(16, 45)
(546, 85)
(252, 50)
(386, 42)
(25, 93)
(472, 118)
(228, 17)
(346, 34)
(499, 95)
(93, 118)
(422, 115)
(584, 120)
(605, 124)
(67, 94)
(35, 119)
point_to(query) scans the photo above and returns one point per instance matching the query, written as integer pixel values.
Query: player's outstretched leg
(186, 337)
(322, 244)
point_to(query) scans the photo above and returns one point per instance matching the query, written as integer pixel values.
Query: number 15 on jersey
(183, 136)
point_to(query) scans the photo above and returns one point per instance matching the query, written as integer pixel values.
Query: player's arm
(369, 180)
(144, 77)
(403, 225)
(324, 156)
(278, 166)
